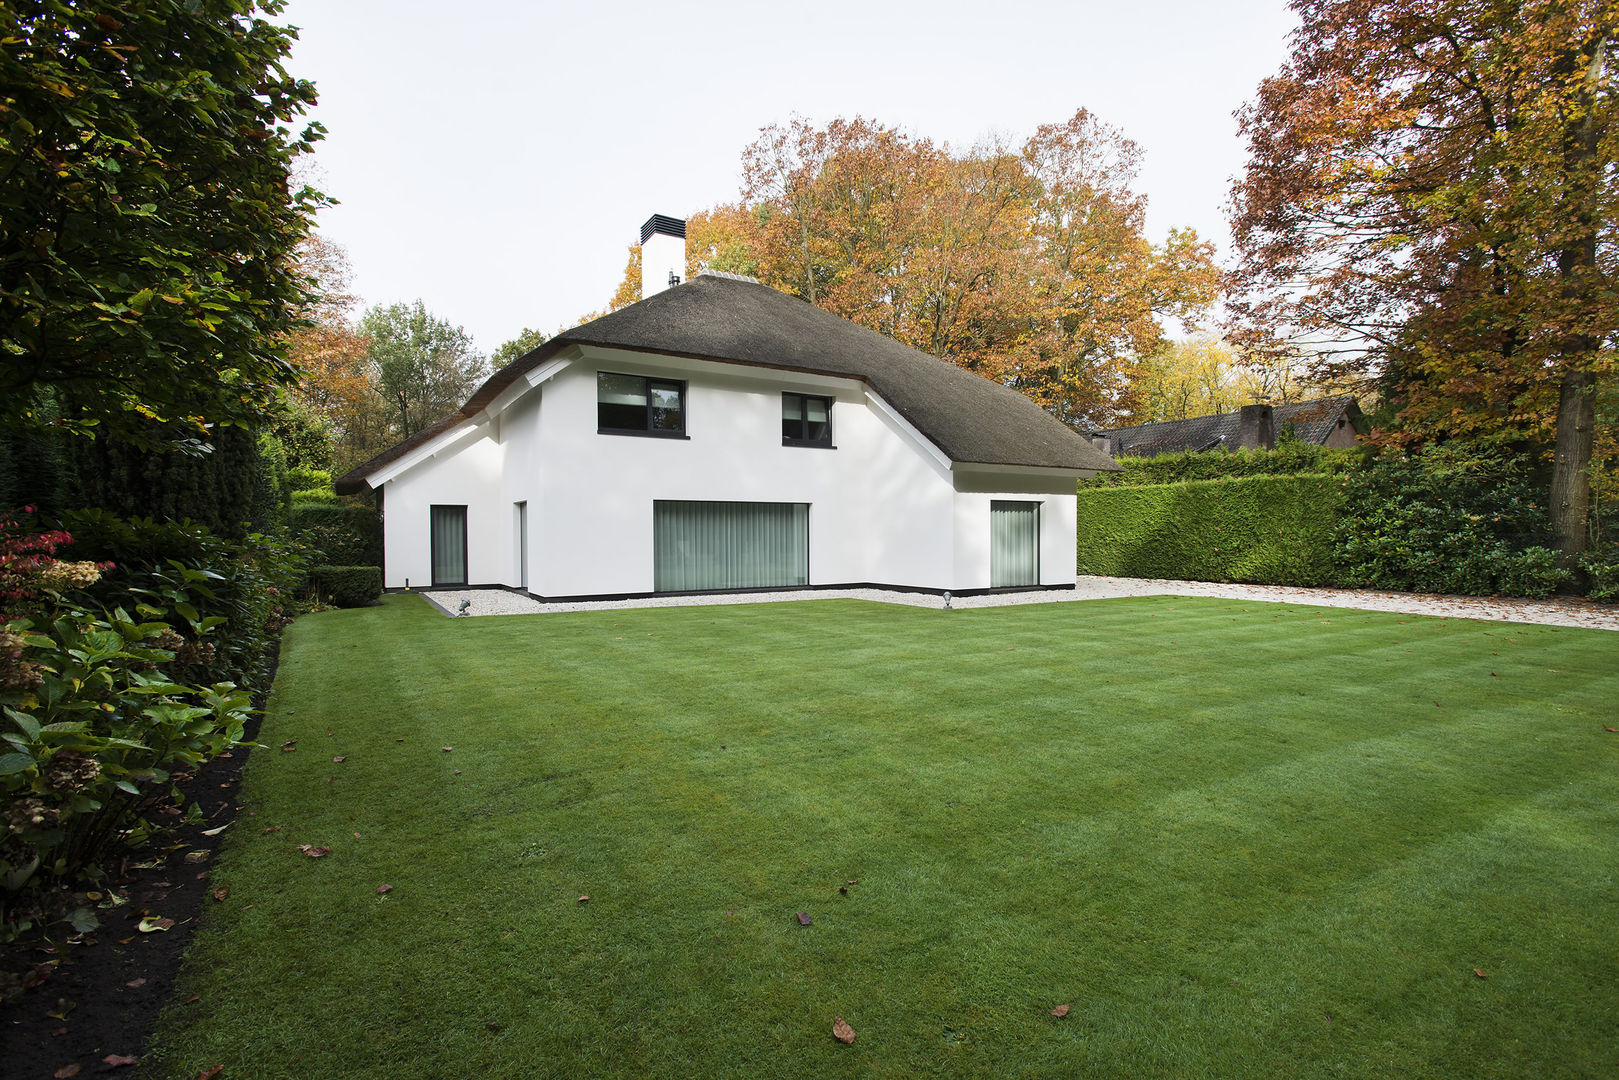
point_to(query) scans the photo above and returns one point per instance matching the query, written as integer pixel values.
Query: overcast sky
(496, 158)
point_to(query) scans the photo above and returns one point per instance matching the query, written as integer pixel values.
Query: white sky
(496, 158)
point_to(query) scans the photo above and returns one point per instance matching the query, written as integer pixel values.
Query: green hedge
(346, 586)
(343, 535)
(1290, 458)
(1267, 530)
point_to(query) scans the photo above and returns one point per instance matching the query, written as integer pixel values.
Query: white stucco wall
(467, 473)
(885, 507)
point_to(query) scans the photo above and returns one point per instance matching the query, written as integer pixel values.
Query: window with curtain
(636, 404)
(1014, 544)
(806, 420)
(448, 526)
(729, 545)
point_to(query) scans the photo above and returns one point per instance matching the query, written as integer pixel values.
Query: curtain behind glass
(726, 545)
(1014, 544)
(449, 530)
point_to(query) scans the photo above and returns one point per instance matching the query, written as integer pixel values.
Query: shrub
(197, 582)
(1289, 458)
(94, 725)
(1446, 519)
(302, 479)
(1532, 572)
(1602, 570)
(315, 496)
(346, 586)
(342, 535)
(1274, 530)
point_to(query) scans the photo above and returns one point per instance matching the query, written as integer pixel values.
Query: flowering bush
(94, 718)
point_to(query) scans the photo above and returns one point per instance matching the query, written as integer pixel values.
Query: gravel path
(1567, 611)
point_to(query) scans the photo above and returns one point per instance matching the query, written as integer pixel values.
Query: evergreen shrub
(306, 479)
(341, 535)
(1269, 530)
(346, 586)
(318, 496)
(1447, 519)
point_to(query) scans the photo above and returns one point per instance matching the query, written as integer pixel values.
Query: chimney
(663, 254)
(1256, 427)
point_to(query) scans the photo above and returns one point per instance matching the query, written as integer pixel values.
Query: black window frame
(647, 383)
(803, 419)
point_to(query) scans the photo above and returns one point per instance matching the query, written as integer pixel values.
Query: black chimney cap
(662, 223)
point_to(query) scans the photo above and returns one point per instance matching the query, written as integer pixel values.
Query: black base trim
(585, 598)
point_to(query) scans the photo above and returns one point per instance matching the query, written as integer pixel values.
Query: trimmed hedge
(346, 586)
(1290, 458)
(343, 535)
(1260, 530)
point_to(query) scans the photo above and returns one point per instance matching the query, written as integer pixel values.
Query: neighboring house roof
(733, 320)
(1311, 422)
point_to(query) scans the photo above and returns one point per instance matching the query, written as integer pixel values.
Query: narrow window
(806, 420)
(637, 404)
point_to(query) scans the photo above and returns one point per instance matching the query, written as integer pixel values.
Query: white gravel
(1568, 611)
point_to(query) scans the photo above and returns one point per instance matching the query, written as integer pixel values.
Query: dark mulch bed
(99, 994)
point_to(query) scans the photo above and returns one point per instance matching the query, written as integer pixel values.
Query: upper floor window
(636, 403)
(806, 420)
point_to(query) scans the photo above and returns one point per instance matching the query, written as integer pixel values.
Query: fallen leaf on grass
(289, 746)
(70, 1069)
(135, 984)
(152, 923)
(841, 1031)
(340, 758)
(584, 899)
(1480, 974)
(222, 893)
(1060, 1011)
(804, 919)
(116, 1060)
(1616, 729)
(399, 740)
(211, 1072)
(314, 852)
(192, 1000)
(383, 889)
(843, 890)
(271, 829)
(446, 749)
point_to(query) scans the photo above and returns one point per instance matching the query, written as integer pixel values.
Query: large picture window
(806, 420)
(729, 545)
(640, 405)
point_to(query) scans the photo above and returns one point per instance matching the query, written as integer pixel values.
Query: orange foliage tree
(1025, 263)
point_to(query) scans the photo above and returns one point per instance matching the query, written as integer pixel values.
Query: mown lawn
(1237, 839)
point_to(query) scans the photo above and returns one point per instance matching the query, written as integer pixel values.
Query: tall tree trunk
(1576, 404)
(1571, 476)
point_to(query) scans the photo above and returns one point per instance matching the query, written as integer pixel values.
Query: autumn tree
(146, 217)
(1027, 263)
(1431, 199)
(424, 367)
(335, 398)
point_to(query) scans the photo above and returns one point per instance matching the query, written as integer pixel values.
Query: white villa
(721, 435)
